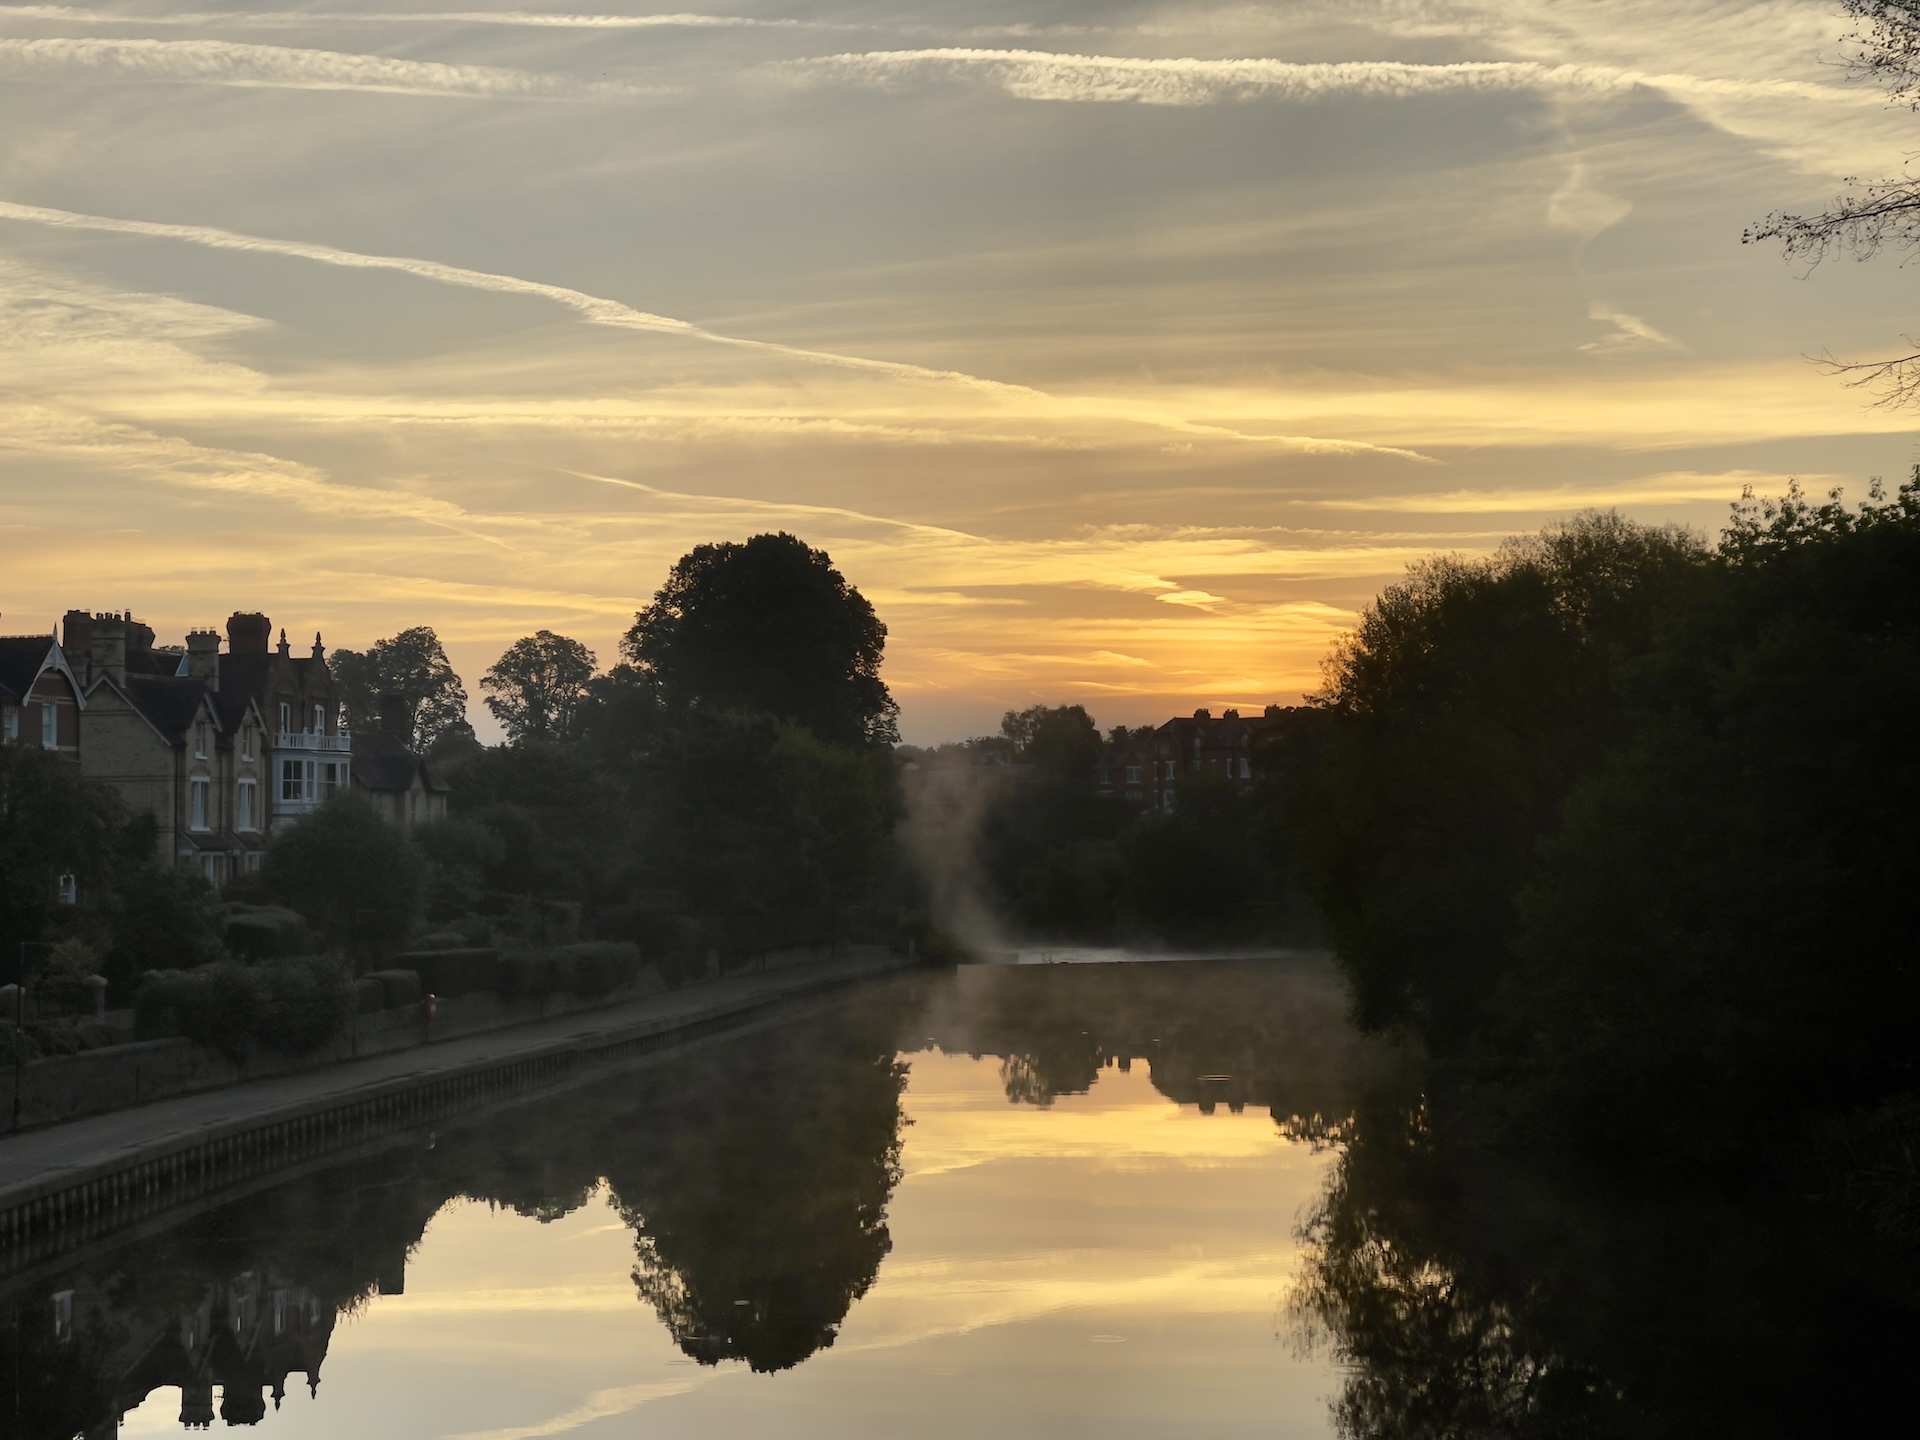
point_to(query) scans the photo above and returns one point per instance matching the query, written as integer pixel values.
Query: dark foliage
(536, 689)
(353, 876)
(52, 823)
(768, 626)
(412, 667)
(1630, 823)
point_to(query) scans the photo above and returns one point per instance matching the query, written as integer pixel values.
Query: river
(1045, 1200)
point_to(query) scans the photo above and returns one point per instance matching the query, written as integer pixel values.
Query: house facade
(1151, 770)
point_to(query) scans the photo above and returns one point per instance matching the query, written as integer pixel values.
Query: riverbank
(75, 1180)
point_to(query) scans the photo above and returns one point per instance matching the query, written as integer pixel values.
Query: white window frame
(69, 889)
(49, 725)
(199, 802)
(12, 725)
(286, 718)
(332, 778)
(319, 719)
(245, 809)
(296, 780)
(246, 741)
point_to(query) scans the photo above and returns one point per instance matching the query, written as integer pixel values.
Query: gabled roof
(24, 657)
(170, 705)
(21, 659)
(381, 762)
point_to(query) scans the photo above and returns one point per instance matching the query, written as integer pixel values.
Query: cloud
(1579, 207)
(598, 310)
(600, 1405)
(302, 18)
(220, 62)
(1043, 75)
(1630, 333)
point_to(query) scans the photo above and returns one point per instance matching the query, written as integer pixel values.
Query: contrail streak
(294, 18)
(221, 62)
(597, 310)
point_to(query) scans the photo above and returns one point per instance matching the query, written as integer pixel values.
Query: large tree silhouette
(768, 625)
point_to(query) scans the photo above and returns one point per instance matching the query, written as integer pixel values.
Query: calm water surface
(1101, 1200)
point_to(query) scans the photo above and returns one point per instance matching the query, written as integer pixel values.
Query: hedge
(397, 988)
(592, 968)
(454, 972)
(261, 932)
(293, 1005)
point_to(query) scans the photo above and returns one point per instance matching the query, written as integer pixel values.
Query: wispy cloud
(598, 310)
(1629, 332)
(1043, 75)
(279, 19)
(221, 62)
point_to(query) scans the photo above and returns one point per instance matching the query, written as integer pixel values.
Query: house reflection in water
(248, 1336)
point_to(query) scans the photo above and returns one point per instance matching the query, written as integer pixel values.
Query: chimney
(248, 633)
(203, 656)
(107, 648)
(76, 638)
(393, 716)
(139, 637)
(1203, 714)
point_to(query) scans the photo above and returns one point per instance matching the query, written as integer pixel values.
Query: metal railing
(306, 740)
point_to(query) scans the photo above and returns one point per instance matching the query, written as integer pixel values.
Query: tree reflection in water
(1469, 1291)
(757, 1169)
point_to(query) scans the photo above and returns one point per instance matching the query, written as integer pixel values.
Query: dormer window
(200, 740)
(246, 743)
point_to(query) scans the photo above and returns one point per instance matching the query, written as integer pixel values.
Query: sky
(1117, 352)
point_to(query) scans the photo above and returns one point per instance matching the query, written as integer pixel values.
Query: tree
(535, 690)
(1062, 739)
(768, 625)
(412, 665)
(1872, 216)
(351, 874)
(52, 823)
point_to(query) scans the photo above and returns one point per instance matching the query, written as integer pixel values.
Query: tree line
(724, 790)
(1625, 824)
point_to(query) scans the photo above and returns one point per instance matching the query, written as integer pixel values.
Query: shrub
(260, 932)
(530, 975)
(398, 988)
(369, 995)
(593, 968)
(292, 1005)
(455, 972)
(304, 1004)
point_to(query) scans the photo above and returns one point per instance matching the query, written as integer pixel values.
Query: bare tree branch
(1884, 47)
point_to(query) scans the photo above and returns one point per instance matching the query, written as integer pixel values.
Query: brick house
(40, 696)
(1150, 771)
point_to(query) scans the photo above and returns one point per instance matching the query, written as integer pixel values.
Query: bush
(530, 975)
(261, 932)
(294, 1006)
(305, 1003)
(594, 968)
(369, 995)
(455, 972)
(355, 877)
(398, 988)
